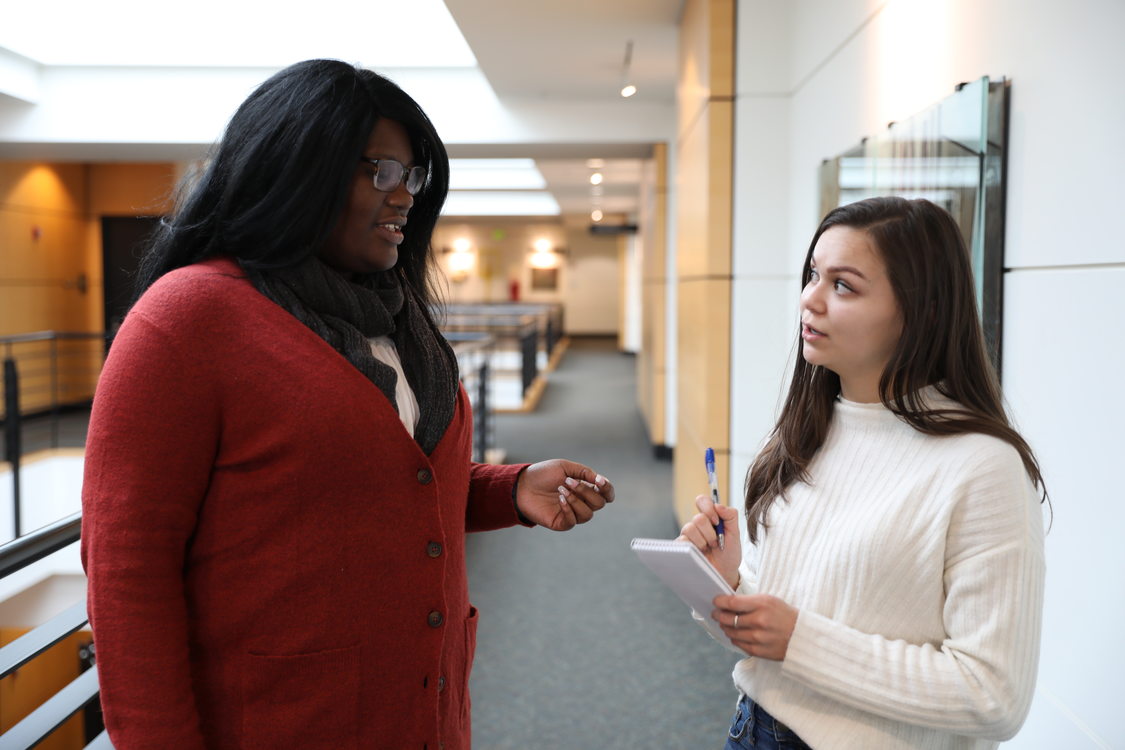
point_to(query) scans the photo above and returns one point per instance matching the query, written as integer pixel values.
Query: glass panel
(953, 154)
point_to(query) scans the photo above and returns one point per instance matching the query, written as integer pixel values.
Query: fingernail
(599, 480)
(563, 491)
(571, 482)
(562, 500)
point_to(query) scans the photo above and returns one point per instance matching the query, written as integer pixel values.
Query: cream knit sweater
(917, 565)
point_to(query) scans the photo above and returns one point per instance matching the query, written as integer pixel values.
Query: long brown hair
(942, 344)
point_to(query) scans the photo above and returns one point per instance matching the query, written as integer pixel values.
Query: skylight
(500, 203)
(495, 174)
(221, 33)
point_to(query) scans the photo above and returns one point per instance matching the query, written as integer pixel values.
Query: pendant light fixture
(627, 87)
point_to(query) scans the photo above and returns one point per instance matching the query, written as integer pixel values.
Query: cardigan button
(440, 684)
(433, 549)
(435, 619)
(424, 476)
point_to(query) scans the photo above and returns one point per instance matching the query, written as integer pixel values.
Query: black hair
(276, 183)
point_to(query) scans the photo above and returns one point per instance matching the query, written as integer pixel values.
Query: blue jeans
(754, 729)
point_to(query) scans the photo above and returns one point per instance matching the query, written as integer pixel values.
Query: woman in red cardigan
(278, 477)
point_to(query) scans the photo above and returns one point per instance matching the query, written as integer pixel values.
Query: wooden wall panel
(51, 254)
(703, 392)
(704, 193)
(131, 189)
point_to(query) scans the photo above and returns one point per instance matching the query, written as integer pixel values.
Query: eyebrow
(843, 269)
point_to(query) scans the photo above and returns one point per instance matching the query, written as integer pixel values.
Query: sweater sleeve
(152, 441)
(492, 503)
(979, 680)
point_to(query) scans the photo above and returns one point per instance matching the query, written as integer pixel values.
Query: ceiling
(576, 50)
(547, 60)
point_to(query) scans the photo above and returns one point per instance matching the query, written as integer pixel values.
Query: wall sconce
(545, 256)
(461, 259)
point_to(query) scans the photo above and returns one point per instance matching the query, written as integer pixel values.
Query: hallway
(579, 646)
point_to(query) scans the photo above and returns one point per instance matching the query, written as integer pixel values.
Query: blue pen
(709, 457)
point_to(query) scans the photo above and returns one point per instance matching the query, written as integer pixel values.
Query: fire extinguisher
(514, 290)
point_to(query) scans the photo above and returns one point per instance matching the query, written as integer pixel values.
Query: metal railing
(51, 714)
(44, 373)
(548, 317)
(511, 331)
(474, 351)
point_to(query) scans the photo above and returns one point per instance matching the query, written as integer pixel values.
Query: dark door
(122, 245)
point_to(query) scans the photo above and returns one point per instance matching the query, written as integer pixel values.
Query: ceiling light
(596, 214)
(627, 87)
(596, 178)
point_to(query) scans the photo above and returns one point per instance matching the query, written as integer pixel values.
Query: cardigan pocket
(470, 652)
(303, 700)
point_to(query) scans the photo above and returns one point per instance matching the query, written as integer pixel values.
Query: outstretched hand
(559, 494)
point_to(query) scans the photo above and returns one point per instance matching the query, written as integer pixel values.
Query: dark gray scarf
(347, 313)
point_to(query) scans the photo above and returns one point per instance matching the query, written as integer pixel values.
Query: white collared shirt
(384, 350)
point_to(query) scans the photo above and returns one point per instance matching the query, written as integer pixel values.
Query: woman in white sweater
(892, 593)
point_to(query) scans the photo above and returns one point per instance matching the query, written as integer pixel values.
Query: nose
(811, 297)
(400, 197)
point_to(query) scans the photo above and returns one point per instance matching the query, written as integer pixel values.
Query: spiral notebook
(684, 569)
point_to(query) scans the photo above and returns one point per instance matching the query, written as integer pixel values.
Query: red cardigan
(273, 562)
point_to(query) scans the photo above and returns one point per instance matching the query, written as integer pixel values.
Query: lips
(808, 333)
(391, 230)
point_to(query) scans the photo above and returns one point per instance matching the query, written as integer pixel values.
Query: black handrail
(31, 729)
(16, 555)
(31, 644)
(24, 550)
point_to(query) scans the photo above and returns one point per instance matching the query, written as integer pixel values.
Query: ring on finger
(736, 622)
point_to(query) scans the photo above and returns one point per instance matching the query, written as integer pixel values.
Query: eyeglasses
(389, 174)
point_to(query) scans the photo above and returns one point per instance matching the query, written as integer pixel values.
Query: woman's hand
(559, 494)
(700, 531)
(759, 624)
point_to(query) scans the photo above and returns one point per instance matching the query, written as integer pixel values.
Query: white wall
(632, 291)
(592, 290)
(814, 77)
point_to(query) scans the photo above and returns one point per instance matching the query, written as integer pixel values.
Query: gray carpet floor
(579, 646)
